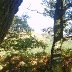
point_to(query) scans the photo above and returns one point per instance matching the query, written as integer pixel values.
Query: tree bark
(7, 10)
(56, 59)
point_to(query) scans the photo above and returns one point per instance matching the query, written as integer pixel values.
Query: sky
(36, 21)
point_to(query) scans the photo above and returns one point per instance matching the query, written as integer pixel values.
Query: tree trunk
(56, 59)
(7, 10)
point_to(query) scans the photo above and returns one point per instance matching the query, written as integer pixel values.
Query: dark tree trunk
(7, 10)
(56, 60)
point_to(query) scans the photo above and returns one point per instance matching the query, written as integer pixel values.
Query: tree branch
(35, 11)
(67, 6)
(67, 38)
(64, 21)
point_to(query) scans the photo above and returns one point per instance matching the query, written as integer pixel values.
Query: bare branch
(35, 11)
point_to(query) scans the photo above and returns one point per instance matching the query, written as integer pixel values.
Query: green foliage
(17, 54)
(25, 53)
(13, 41)
(20, 24)
(49, 9)
(19, 36)
(31, 63)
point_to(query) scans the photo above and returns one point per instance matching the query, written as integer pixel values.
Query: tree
(20, 24)
(57, 11)
(19, 36)
(56, 65)
(18, 29)
(7, 10)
